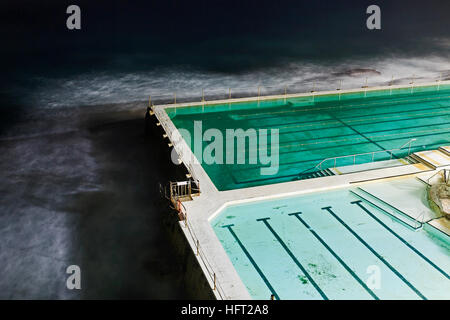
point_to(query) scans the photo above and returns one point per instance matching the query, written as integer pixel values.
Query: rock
(357, 72)
(439, 194)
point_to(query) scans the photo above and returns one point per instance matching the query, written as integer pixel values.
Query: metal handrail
(428, 180)
(216, 286)
(319, 165)
(256, 91)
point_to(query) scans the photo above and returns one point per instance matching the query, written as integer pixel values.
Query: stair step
(421, 160)
(411, 160)
(444, 151)
(316, 174)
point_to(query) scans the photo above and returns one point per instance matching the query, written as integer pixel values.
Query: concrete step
(424, 161)
(316, 174)
(433, 158)
(411, 160)
(445, 150)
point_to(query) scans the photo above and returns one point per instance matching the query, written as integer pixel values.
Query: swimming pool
(331, 246)
(313, 128)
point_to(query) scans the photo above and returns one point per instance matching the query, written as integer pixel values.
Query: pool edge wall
(193, 278)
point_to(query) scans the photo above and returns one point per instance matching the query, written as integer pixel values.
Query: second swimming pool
(331, 245)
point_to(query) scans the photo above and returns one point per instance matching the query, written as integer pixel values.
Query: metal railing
(415, 227)
(184, 95)
(212, 275)
(181, 191)
(428, 180)
(175, 194)
(443, 174)
(391, 151)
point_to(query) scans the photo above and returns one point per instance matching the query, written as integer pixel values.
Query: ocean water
(52, 78)
(127, 52)
(116, 86)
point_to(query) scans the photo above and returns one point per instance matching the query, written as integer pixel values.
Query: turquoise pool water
(331, 246)
(317, 127)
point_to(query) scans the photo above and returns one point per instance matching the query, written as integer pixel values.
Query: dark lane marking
(351, 119)
(264, 220)
(386, 102)
(359, 204)
(254, 167)
(341, 125)
(261, 274)
(403, 128)
(375, 253)
(302, 169)
(297, 215)
(358, 132)
(355, 117)
(348, 136)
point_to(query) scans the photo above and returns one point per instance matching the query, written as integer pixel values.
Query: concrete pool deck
(213, 259)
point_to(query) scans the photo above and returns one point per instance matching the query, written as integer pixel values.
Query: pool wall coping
(302, 94)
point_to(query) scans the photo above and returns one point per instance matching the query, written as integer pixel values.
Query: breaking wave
(110, 87)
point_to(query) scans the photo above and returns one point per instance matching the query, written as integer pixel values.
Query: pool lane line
(261, 274)
(403, 128)
(350, 106)
(362, 122)
(394, 114)
(370, 137)
(350, 119)
(346, 107)
(357, 122)
(343, 125)
(355, 131)
(375, 253)
(362, 283)
(352, 142)
(339, 146)
(360, 133)
(313, 163)
(264, 220)
(359, 204)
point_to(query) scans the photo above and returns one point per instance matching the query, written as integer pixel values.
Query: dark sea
(126, 51)
(76, 193)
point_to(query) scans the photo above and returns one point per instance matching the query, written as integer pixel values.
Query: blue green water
(313, 128)
(284, 256)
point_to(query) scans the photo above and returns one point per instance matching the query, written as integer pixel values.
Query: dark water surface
(127, 51)
(85, 193)
(79, 185)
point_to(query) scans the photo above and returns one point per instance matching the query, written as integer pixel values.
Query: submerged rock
(357, 72)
